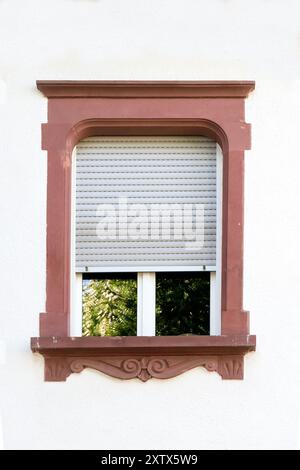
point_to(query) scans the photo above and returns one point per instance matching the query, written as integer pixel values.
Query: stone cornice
(144, 89)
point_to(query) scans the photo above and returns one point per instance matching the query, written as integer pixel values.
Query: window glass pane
(109, 305)
(182, 303)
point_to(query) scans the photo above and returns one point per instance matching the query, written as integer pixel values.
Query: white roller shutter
(115, 173)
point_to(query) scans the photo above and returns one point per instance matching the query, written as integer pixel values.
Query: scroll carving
(145, 368)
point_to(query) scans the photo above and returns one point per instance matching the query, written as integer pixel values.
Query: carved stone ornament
(151, 357)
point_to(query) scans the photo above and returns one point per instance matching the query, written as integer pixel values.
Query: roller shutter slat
(149, 171)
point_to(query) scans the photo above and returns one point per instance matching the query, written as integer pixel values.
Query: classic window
(147, 205)
(189, 112)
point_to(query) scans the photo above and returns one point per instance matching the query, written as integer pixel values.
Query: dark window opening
(182, 303)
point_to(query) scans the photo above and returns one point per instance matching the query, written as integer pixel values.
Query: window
(183, 302)
(174, 113)
(147, 205)
(109, 304)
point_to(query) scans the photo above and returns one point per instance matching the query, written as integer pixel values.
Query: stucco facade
(170, 40)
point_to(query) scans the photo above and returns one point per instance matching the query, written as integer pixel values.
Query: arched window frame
(81, 109)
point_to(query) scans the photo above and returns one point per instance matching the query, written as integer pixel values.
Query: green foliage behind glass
(109, 307)
(182, 305)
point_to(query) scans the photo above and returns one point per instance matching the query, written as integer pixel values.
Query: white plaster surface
(157, 40)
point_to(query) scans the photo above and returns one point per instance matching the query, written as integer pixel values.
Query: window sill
(144, 357)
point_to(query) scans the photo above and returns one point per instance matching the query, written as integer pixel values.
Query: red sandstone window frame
(79, 109)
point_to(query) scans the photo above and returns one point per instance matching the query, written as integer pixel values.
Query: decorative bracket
(144, 357)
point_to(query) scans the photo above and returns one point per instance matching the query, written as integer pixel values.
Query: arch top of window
(79, 109)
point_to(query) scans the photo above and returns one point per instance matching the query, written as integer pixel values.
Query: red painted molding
(80, 109)
(144, 89)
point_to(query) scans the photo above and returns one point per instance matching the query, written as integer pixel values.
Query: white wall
(172, 40)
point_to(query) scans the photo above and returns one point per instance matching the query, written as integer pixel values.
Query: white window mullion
(215, 277)
(213, 320)
(76, 278)
(146, 304)
(76, 317)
